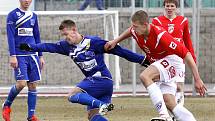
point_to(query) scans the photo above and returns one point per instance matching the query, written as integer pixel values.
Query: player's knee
(169, 101)
(180, 87)
(32, 86)
(20, 85)
(73, 95)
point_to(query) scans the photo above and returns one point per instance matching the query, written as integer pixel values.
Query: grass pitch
(126, 109)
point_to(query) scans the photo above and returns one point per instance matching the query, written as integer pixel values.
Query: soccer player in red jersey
(164, 52)
(178, 27)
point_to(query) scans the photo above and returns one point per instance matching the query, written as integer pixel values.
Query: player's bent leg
(154, 91)
(180, 93)
(93, 115)
(78, 96)
(14, 91)
(32, 101)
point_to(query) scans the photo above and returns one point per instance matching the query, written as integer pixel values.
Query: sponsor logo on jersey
(25, 31)
(173, 45)
(87, 65)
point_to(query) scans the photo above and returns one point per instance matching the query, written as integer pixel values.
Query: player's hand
(110, 45)
(42, 62)
(145, 63)
(200, 87)
(25, 46)
(13, 62)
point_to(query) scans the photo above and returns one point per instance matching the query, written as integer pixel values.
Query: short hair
(140, 16)
(171, 1)
(67, 24)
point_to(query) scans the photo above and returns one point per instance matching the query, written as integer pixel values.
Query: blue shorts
(99, 88)
(28, 68)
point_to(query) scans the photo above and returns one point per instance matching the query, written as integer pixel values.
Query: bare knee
(169, 100)
(20, 84)
(92, 112)
(73, 91)
(180, 86)
(32, 86)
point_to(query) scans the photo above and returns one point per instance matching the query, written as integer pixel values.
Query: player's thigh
(21, 70)
(151, 72)
(96, 86)
(34, 72)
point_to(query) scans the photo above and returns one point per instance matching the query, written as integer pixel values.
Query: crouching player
(87, 52)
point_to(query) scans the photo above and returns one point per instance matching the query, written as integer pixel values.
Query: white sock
(180, 98)
(182, 114)
(157, 99)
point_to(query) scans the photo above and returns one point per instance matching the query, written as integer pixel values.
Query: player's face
(141, 29)
(24, 4)
(71, 35)
(170, 9)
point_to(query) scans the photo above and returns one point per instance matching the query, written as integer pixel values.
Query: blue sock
(32, 99)
(98, 117)
(85, 99)
(11, 96)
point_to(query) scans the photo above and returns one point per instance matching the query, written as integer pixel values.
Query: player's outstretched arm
(199, 85)
(60, 47)
(111, 44)
(129, 55)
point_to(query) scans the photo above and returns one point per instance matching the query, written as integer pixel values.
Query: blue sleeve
(11, 27)
(37, 34)
(59, 47)
(122, 52)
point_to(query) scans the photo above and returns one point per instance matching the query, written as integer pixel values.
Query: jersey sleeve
(11, 27)
(173, 46)
(187, 40)
(156, 21)
(61, 47)
(120, 51)
(37, 34)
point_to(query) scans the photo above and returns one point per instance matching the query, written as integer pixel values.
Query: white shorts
(172, 70)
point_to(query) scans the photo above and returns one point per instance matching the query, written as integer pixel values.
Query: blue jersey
(88, 54)
(22, 27)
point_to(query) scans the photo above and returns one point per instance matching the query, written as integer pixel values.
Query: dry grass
(127, 109)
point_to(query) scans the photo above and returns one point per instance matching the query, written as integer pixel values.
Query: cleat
(33, 118)
(162, 119)
(106, 108)
(6, 112)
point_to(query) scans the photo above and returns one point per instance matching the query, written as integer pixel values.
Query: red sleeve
(187, 40)
(155, 21)
(173, 46)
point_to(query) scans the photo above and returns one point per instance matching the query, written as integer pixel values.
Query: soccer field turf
(126, 109)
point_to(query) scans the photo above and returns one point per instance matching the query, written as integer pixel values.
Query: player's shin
(85, 99)
(11, 96)
(157, 99)
(180, 98)
(32, 99)
(182, 114)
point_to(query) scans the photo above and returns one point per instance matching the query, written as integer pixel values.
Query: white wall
(8, 5)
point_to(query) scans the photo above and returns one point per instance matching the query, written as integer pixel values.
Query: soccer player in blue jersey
(87, 52)
(22, 27)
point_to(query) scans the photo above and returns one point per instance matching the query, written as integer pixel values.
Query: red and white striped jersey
(159, 43)
(178, 28)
